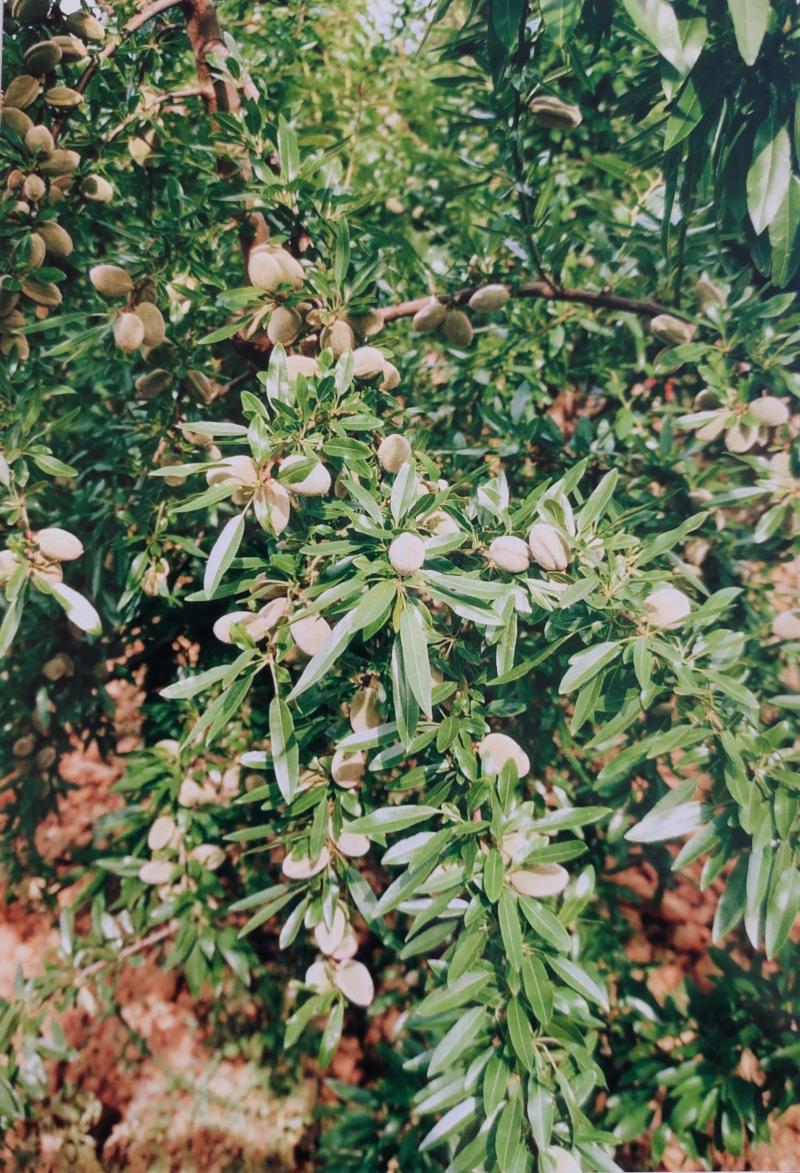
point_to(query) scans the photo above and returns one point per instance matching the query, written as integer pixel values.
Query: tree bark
(543, 289)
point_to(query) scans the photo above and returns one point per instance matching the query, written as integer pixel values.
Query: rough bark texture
(542, 289)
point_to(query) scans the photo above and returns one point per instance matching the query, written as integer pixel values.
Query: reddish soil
(146, 1089)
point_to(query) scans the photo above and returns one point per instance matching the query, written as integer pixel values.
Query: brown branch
(547, 292)
(152, 104)
(139, 946)
(205, 38)
(146, 14)
(220, 94)
(111, 45)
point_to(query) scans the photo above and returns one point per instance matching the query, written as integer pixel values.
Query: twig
(111, 45)
(547, 292)
(152, 104)
(137, 947)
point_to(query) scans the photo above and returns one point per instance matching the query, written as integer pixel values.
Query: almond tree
(406, 399)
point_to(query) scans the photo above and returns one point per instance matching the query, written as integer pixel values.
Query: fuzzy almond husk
(60, 162)
(42, 292)
(337, 337)
(34, 188)
(57, 240)
(8, 297)
(128, 332)
(30, 252)
(548, 547)
(368, 361)
(284, 325)
(97, 189)
(393, 452)
(58, 545)
(366, 325)
(489, 297)
(671, 329)
(301, 364)
(152, 383)
(458, 328)
(42, 57)
(30, 11)
(391, 377)
(429, 318)
(667, 607)
(407, 554)
(510, 553)
(72, 48)
(154, 327)
(63, 97)
(111, 280)
(290, 268)
(554, 113)
(498, 748)
(17, 120)
(59, 187)
(769, 411)
(199, 384)
(86, 25)
(263, 271)
(37, 139)
(310, 634)
(18, 342)
(9, 323)
(22, 91)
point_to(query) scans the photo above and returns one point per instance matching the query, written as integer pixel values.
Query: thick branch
(220, 93)
(205, 38)
(548, 292)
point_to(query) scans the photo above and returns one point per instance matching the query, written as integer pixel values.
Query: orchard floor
(146, 1090)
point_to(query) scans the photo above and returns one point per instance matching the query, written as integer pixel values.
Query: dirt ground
(147, 1092)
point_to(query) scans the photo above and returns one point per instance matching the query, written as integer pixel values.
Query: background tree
(404, 397)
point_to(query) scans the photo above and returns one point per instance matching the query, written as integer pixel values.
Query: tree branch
(547, 292)
(111, 45)
(139, 946)
(205, 37)
(220, 93)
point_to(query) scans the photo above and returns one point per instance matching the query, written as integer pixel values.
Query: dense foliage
(405, 396)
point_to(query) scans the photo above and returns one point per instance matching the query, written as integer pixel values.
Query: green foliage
(433, 636)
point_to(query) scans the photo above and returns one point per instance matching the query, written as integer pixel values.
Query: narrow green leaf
(493, 874)
(415, 657)
(784, 238)
(584, 665)
(508, 1138)
(750, 19)
(466, 989)
(459, 1038)
(332, 1034)
(656, 19)
(451, 1123)
(223, 553)
(317, 667)
(545, 923)
(192, 685)
(579, 980)
(391, 818)
(285, 751)
(520, 1033)
(538, 989)
(510, 930)
(782, 909)
(495, 1082)
(769, 174)
(540, 1113)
